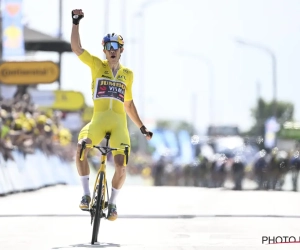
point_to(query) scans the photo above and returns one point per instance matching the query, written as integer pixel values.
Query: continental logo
(36, 72)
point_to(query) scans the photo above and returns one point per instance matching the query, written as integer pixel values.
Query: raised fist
(77, 15)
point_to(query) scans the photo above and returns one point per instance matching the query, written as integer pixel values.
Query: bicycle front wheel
(98, 210)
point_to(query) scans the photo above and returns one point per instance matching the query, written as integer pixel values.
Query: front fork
(105, 186)
(94, 203)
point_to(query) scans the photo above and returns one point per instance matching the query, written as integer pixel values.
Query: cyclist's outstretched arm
(77, 15)
(133, 115)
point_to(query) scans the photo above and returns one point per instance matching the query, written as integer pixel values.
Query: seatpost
(107, 136)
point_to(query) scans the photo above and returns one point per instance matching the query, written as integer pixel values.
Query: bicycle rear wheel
(98, 210)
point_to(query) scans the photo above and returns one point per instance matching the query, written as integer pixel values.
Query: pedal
(86, 210)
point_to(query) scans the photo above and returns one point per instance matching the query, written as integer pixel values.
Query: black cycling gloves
(76, 18)
(145, 132)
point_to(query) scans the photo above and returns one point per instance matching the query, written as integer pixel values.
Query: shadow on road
(162, 216)
(88, 245)
(255, 189)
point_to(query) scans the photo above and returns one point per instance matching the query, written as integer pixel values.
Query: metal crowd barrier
(34, 171)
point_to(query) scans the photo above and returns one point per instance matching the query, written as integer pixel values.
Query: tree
(176, 126)
(264, 110)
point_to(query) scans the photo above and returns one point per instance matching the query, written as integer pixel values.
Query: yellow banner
(58, 99)
(87, 114)
(68, 100)
(33, 72)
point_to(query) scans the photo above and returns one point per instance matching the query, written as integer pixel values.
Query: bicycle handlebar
(106, 150)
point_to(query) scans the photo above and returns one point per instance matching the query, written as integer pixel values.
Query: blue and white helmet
(113, 38)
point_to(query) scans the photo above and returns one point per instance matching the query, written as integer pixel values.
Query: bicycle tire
(98, 213)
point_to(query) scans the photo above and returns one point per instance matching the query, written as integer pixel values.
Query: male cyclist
(112, 96)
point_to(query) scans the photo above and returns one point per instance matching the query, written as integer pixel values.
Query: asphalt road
(164, 218)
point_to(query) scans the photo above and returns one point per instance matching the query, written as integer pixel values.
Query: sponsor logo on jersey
(110, 89)
(121, 77)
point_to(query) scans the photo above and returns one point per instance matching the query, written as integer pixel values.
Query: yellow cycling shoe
(85, 203)
(112, 212)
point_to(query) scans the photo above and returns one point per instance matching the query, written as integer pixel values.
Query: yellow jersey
(108, 91)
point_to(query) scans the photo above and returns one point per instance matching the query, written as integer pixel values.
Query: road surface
(162, 218)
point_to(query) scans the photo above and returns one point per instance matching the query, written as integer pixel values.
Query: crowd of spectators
(24, 127)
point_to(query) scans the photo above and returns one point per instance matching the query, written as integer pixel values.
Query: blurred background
(216, 81)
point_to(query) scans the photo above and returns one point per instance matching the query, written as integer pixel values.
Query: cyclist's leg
(86, 134)
(120, 171)
(119, 135)
(84, 174)
(82, 166)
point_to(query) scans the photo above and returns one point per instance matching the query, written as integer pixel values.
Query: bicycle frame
(102, 168)
(97, 206)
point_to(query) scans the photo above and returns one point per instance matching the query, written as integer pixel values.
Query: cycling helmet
(113, 38)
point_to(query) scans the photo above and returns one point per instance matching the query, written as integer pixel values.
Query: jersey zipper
(110, 99)
(114, 77)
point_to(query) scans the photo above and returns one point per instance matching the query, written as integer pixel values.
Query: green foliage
(176, 126)
(289, 134)
(264, 110)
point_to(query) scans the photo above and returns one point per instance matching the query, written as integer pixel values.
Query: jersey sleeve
(128, 93)
(92, 61)
(87, 58)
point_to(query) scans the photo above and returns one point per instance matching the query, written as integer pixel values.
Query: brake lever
(126, 153)
(83, 146)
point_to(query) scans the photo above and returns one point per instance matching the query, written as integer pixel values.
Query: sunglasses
(111, 45)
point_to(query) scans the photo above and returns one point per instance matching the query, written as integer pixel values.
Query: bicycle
(98, 206)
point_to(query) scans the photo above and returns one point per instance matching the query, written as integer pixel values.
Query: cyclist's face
(113, 55)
